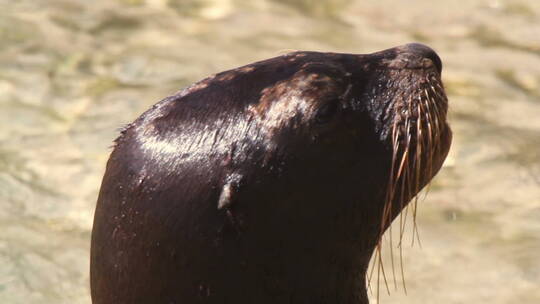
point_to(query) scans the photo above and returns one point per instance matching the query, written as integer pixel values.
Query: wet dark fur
(269, 183)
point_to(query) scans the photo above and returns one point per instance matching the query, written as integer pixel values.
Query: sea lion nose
(423, 52)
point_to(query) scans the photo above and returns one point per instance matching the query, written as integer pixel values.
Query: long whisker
(415, 138)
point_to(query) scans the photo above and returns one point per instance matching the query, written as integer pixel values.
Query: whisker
(415, 137)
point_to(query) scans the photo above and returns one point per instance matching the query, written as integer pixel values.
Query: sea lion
(269, 183)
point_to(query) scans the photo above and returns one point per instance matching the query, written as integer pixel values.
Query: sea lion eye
(327, 112)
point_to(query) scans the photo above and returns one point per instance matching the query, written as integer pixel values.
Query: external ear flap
(229, 189)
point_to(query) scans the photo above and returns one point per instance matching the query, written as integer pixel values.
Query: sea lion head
(340, 119)
(271, 182)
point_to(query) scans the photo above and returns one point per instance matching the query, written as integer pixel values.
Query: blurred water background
(73, 71)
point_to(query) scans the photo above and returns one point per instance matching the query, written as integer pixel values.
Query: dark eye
(327, 112)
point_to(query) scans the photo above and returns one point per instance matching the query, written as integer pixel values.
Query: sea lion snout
(421, 53)
(414, 56)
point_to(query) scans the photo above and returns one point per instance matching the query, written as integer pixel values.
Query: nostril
(425, 51)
